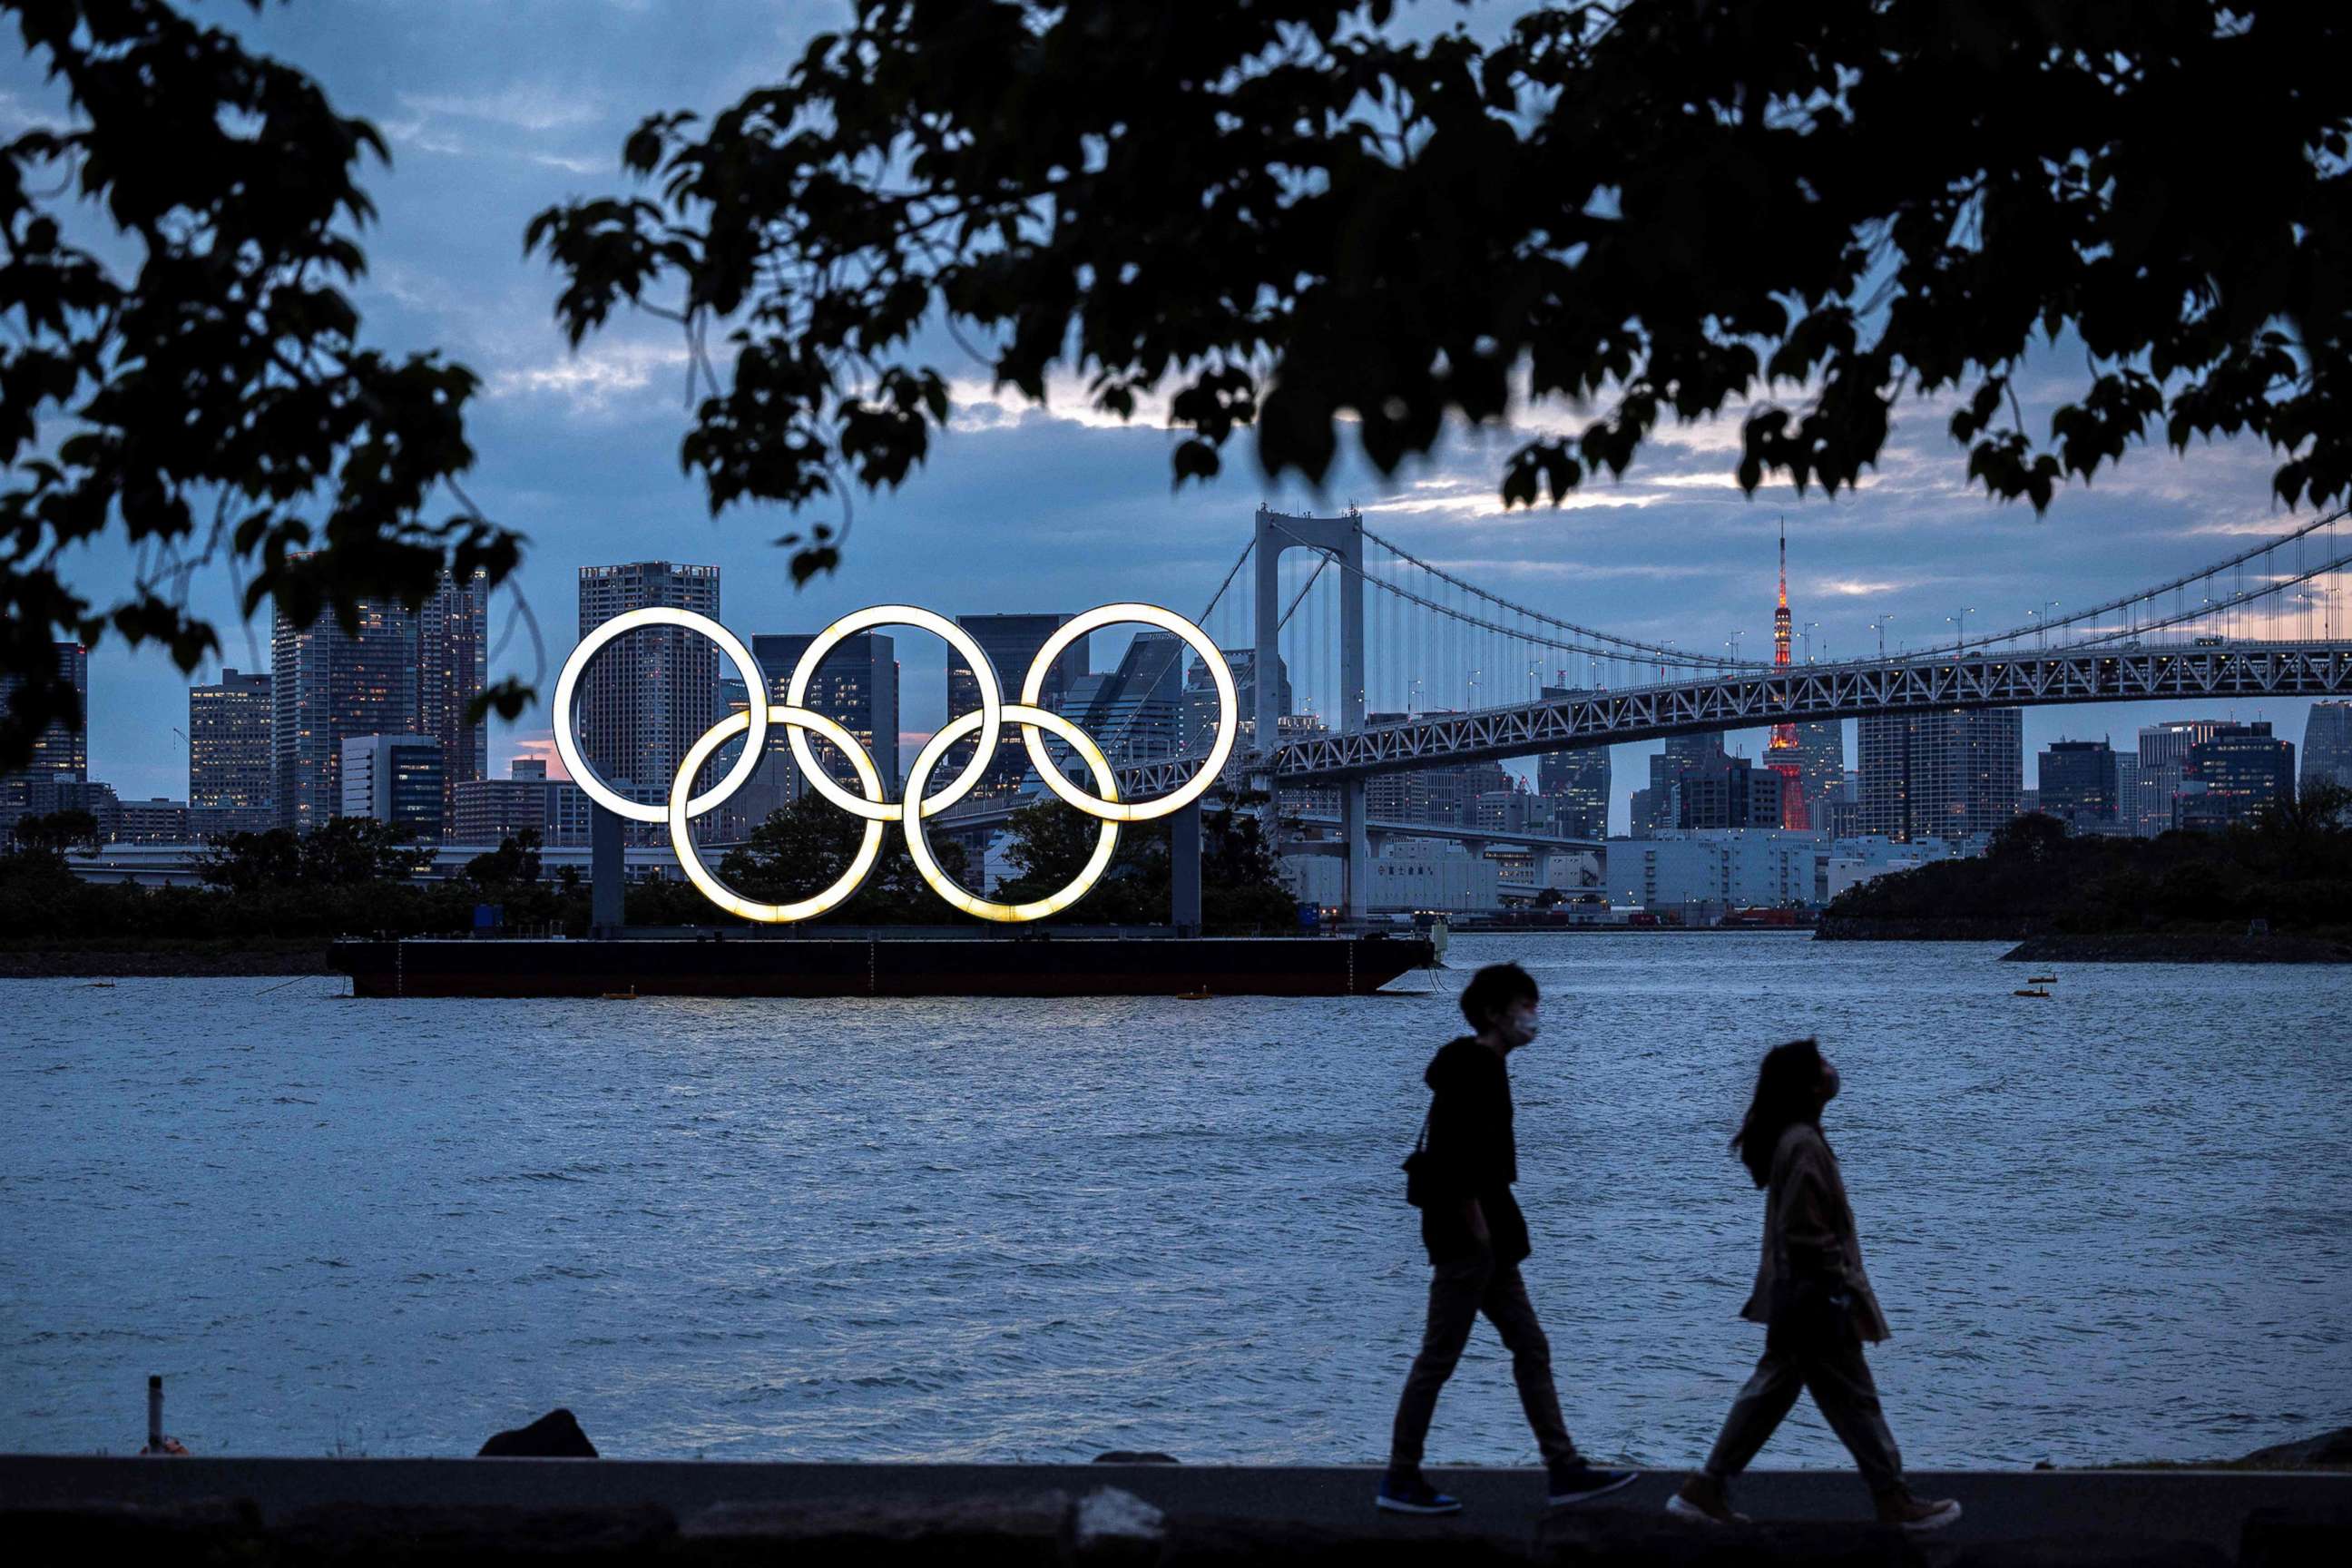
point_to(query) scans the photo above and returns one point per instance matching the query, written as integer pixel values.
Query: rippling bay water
(2114, 1225)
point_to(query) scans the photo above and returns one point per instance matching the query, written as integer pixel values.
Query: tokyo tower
(1782, 753)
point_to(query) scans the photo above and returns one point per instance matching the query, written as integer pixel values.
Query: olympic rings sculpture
(871, 803)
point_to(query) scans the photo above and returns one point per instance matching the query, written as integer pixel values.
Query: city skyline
(1522, 773)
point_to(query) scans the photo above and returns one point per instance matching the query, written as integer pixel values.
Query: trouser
(1458, 1293)
(1842, 1387)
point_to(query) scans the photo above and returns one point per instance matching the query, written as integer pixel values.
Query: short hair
(1493, 990)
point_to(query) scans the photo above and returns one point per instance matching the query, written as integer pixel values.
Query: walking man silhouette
(1461, 1177)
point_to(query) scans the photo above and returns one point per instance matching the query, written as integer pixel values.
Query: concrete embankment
(263, 1512)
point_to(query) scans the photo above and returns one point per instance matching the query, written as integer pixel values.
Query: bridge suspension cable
(1604, 646)
(2040, 630)
(1613, 646)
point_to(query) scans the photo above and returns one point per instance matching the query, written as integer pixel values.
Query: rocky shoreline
(2186, 947)
(1957, 928)
(2033, 945)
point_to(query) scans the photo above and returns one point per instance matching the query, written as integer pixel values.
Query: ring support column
(1360, 849)
(1184, 870)
(605, 901)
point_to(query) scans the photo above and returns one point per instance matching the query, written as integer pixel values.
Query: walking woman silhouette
(1813, 1298)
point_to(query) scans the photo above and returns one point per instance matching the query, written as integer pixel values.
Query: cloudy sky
(495, 108)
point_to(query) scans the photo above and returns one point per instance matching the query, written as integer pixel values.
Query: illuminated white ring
(566, 684)
(991, 703)
(1032, 686)
(919, 843)
(719, 892)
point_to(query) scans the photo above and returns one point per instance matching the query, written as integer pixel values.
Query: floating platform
(1032, 965)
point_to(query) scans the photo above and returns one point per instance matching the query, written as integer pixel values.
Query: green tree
(1050, 843)
(1240, 888)
(514, 864)
(806, 847)
(211, 399)
(341, 852)
(246, 862)
(1282, 217)
(57, 832)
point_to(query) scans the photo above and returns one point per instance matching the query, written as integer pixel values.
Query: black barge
(1039, 964)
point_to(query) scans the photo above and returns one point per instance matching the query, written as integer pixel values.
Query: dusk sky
(493, 111)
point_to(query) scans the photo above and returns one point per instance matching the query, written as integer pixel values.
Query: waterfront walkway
(666, 1508)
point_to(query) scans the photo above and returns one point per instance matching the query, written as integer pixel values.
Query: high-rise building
(2080, 784)
(1949, 773)
(1200, 730)
(1658, 808)
(856, 687)
(230, 766)
(2166, 744)
(2163, 764)
(1135, 712)
(1299, 800)
(394, 779)
(492, 809)
(1578, 781)
(2233, 774)
(648, 695)
(1738, 795)
(155, 821)
(2327, 745)
(1446, 796)
(1010, 643)
(2128, 792)
(327, 685)
(453, 663)
(61, 751)
(1821, 764)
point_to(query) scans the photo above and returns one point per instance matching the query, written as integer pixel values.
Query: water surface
(2115, 1224)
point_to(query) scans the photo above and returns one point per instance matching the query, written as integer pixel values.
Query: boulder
(1135, 1456)
(554, 1436)
(2327, 1448)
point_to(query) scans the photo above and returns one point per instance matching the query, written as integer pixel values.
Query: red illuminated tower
(1782, 753)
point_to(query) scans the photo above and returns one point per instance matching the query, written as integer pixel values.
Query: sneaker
(1414, 1495)
(1916, 1513)
(1703, 1500)
(1576, 1481)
